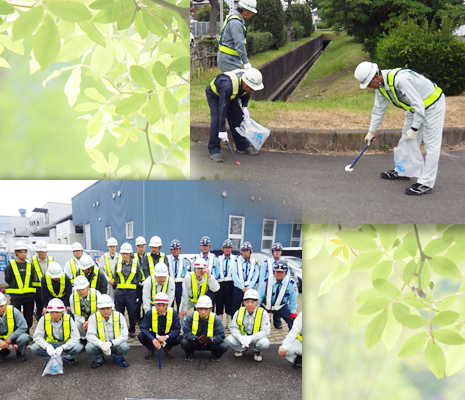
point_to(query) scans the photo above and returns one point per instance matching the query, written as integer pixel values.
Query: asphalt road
(331, 195)
(231, 378)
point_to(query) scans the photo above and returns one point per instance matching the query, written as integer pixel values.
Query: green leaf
(125, 20)
(455, 359)
(175, 49)
(15, 47)
(114, 160)
(437, 246)
(160, 73)
(370, 230)
(457, 232)
(73, 48)
(335, 276)
(100, 168)
(400, 311)
(154, 25)
(410, 243)
(360, 320)
(95, 124)
(173, 173)
(456, 254)
(130, 48)
(101, 4)
(46, 43)
(413, 321)
(66, 29)
(392, 331)
(180, 155)
(131, 104)
(140, 25)
(170, 102)
(104, 16)
(357, 240)
(435, 359)
(375, 329)
(89, 28)
(97, 156)
(444, 267)
(163, 140)
(83, 107)
(367, 260)
(141, 76)
(387, 288)
(413, 345)
(445, 318)
(27, 23)
(373, 305)
(180, 65)
(123, 138)
(73, 86)
(69, 10)
(414, 302)
(409, 270)
(447, 336)
(94, 94)
(461, 309)
(181, 129)
(367, 294)
(387, 234)
(4, 63)
(102, 59)
(123, 171)
(400, 252)
(6, 8)
(447, 303)
(153, 109)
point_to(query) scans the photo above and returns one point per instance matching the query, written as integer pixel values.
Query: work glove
(245, 341)
(223, 136)
(202, 339)
(209, 339)
(293, 316)
(50, 350)
(247, 66)
(106, 348)
(58, 351)
(369, 137)
(245, 113)
(410, 135)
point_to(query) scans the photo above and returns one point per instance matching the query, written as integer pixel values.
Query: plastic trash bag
(255, 133)
(408, 159)
(54, 366)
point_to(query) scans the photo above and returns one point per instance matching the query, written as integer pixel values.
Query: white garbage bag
(408, 159)
(54, 366)
(255, 133)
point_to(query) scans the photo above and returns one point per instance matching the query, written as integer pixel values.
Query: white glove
(245, 341)
(410, 135)
(58, 351)
(247, 66)
(106, 348)
(50, 350)
(245, 113)
(223, 136)
(369, 137)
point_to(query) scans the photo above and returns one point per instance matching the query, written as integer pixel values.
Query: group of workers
(82, 306)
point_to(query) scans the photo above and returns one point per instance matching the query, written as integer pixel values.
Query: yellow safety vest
(299, 336)
(257, 323)
(221, 46)
(22, 288)
(164, 288)
(122, 283)
(150, 259)
(107, 264)
(211, 323)
(428, 102)
(203, 288)
(66, 329)
(169, 320)
(101, 328)
(93, 302)
(10, 322)
(72, 264)
(93, 284)
(35, 263)
(236, 79)
(48, 279)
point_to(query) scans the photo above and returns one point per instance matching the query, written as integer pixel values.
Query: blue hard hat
(281, 266)
(205, 241)
(228, 243)
(277, 246)
(175, 244)
(246, 246)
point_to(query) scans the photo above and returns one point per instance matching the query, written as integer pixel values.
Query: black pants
(26, 304)
(238, 294)
(224, 298)
(217, 349)
(127, 299)
(170, 343)
(39, 304)
(178, 294)
(234, 116)
(285, 314)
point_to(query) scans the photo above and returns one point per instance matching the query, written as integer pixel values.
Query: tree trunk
(213, 17)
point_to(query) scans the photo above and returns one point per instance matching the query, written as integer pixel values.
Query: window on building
(88, 237)
(107, 232)
(236, 230)
(129, 230)
(65, 240)
(296, 237)
(269, 232)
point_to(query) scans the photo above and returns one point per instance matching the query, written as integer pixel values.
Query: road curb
(325, 139)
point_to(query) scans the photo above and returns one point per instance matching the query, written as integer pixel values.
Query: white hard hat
(200, 263)
(3, 300)
(250, 5)
(80, 282)
(365, 72)
(54, 270)
(251, 294)
(86, 262)
(253, 78)
(112, 242)
(104, 301)
(40, 246)
(204, 302)
(55, 305)
(161, 269)
(140, 240)
(125, 248)
(155, 241)
(76, 246)
(161, 298)
(20, 245)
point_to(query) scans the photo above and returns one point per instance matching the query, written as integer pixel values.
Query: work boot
(132, 334)
(297, 362)
(96, 364)
(238, 354)
(257, 356)
(417, 189)
(4, 354)
(392, 174)
(278, 327)
(249, 150)
(216, 359)
(188, 358)
(168, 353)
(150, 354)
(20, 357)
(216, 158)
(124, 363)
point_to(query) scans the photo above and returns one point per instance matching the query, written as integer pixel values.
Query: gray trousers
(22, 341)
(96, 353)
(259, 345)
(228, 62)
(295, 349)
(68, 354)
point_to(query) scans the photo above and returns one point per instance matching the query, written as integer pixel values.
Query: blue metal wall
(182, 210)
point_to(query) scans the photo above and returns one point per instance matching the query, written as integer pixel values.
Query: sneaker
(168, 353)
(20, 357)
(418, 189)
(249, 150)
(96, 364)
(124, 363)
(4, 354)
(238, 354)
(132, 334)
(72, 361)
(216, 359)
(216, 157)
(279, 327)
(297, 362)
(150, 354)
(257, 356)
(188, 358)
(392, 174)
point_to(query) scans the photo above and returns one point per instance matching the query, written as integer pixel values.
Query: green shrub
(301, 13)
(298, 30)
(210, 43)
(323, 25)
(203, 13)
(439, 56)
(270, 18)
(258, 42)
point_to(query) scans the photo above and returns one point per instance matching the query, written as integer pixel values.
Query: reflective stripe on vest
(49, 331)
(169, 320)
(257, 323)
(107, 265)
(164, 288)
(203, 288)
(299, 336)
(279, 296)
(10, 322)
(48, 279)
(151, 265)
(35, 263)
(101, 328)
(236, 79)
(126, 284)
(428, 102)
(211, 323)
(72, 264)
(222, 47)
(93, 302)
(22, 288)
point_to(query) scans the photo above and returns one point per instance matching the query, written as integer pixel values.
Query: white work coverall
(291, 343)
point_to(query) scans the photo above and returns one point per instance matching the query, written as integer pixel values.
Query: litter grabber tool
(202, 355)
(159, 359)
(232, 153)
(350, 167)
(118, 361)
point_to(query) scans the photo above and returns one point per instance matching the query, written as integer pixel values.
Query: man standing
(203, 330)
(56, 284)
(245, 274)
(292, 345)
(21, 279)
(40, 263)
(107, 333)
(210, 259)
(177, 268)
(224, 296)
(160, 281)
(223, 95)
(160, 327)
(140, 256)
(425, 108)
(154, 257)
(13, 328)
(71, 267)
(93, 274)
(108, 265)
(232, 52)
(250, 326)
(267, 267)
